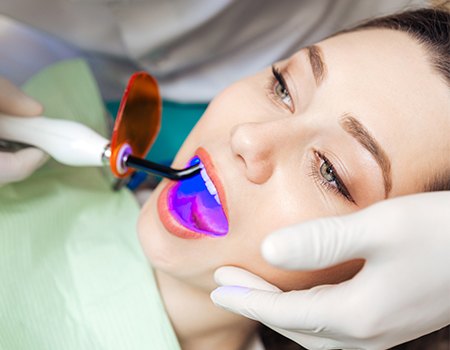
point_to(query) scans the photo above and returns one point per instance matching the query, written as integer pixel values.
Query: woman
(316, 135)
(334, 128)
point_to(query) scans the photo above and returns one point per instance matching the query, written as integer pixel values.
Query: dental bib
(72, 272)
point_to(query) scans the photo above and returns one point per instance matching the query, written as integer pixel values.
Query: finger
(13, 101)
(234, 276)
(19, 165)
(320, 243)
(307, 311)
(239, 281)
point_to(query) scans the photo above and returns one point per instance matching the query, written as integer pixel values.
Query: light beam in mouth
(195, 204)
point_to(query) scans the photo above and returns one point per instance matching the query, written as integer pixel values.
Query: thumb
(320, 243)
(235, 276)
(307, 310)
(244, 293)
(13, 101)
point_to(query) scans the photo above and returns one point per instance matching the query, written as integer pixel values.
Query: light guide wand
(161, 170)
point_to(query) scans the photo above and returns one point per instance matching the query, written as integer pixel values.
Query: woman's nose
(255, 145)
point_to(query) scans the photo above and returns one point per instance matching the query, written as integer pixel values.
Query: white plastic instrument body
(68, 142)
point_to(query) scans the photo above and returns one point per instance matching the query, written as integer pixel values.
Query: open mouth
(195, 204)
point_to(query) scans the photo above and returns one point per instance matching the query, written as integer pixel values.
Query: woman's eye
(326, 175)
(283, 94)
(327, 172)
(279, 90)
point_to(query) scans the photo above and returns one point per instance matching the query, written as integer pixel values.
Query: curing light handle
(66, 141)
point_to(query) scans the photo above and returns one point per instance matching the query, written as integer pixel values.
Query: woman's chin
(161, 248)
(169, 254)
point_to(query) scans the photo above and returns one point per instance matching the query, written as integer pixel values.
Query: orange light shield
(138, 122)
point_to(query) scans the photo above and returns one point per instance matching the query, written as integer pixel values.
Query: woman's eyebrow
(319, 68)
(353, 127)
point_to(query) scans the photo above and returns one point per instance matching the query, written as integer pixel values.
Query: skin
(265, 149)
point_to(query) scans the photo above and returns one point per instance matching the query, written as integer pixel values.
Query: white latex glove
(401, 293)
(18, 165)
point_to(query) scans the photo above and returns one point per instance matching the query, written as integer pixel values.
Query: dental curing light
(135, 130)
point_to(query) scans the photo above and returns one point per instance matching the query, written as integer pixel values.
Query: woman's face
(340, 125)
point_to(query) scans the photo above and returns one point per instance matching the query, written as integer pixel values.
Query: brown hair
(430, 27)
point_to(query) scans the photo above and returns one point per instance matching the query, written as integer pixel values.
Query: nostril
(241, 160)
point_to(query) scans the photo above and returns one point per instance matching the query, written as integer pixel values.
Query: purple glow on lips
(195, 207)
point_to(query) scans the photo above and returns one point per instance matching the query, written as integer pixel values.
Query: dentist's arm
(18, 165)
(401, 293)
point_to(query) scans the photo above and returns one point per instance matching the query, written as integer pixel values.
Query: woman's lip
(164, 211)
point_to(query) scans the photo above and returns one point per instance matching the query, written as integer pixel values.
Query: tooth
(204, 175)
(209, 185)
(211, 189)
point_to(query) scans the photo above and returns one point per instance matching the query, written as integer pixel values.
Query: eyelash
(339, 188)
(276, 81)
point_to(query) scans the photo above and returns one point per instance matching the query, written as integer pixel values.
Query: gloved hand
(401, 293)
(18, 165)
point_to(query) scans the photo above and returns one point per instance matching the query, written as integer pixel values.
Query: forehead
(386, 79)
